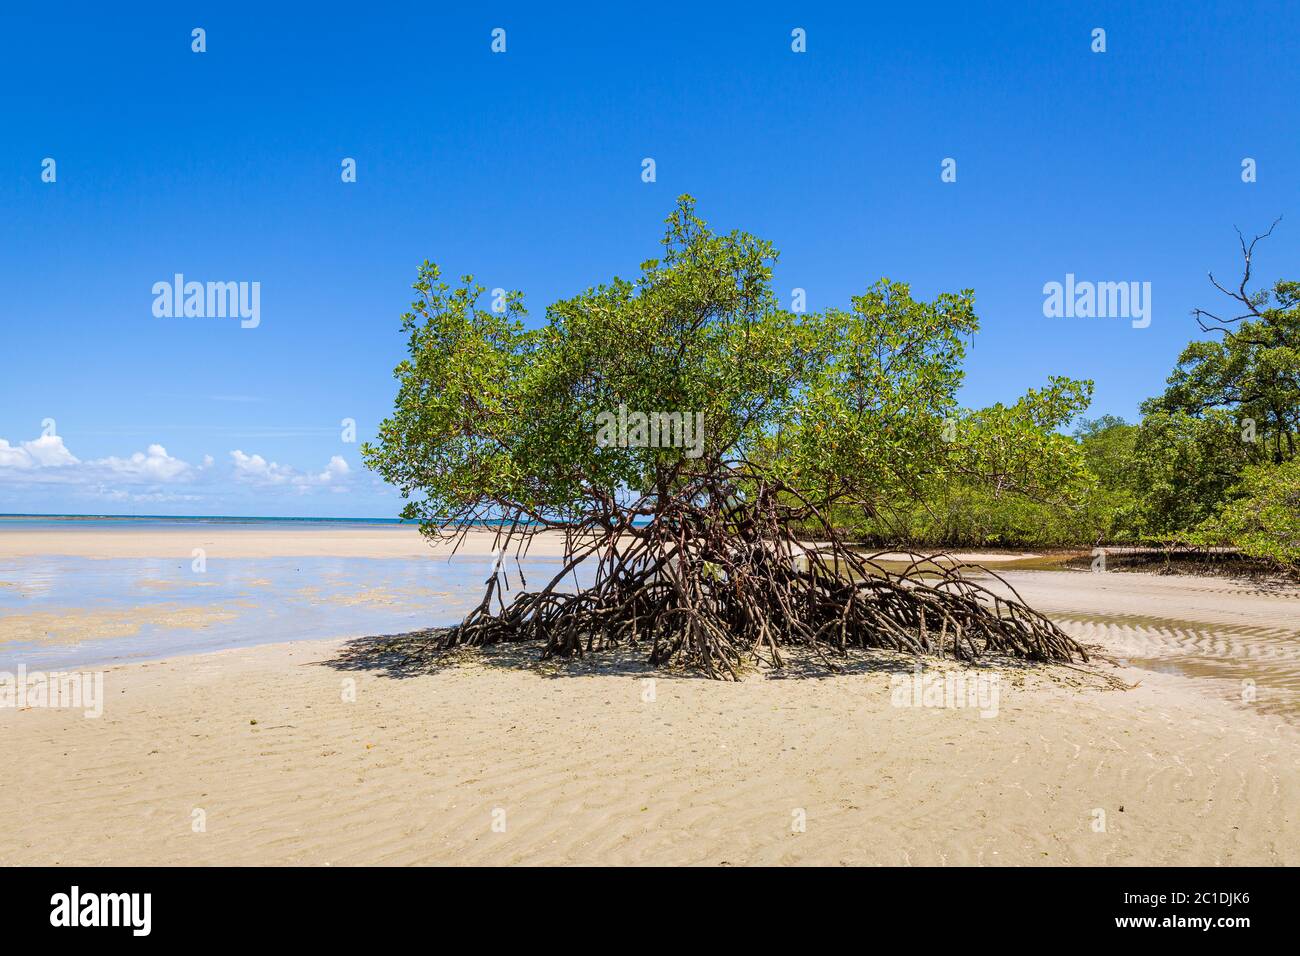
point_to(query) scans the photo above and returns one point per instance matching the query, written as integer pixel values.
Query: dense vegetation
(1212, 462)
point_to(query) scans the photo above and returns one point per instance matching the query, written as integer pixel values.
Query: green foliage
(1230, 403)
(1109, 503)
(847, 409)
(1182, 469)
(1263, 518)
(494, 420)
(868, 430)
(1252, 373)
(1003, 475)
(1019, 448)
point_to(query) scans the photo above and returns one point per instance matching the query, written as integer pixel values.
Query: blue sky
(525, 169)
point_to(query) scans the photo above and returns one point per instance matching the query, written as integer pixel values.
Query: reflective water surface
(58, 611)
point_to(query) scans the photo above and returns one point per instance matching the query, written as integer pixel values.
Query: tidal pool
(59, 612)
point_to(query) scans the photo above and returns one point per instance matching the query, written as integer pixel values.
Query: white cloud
(154, 466)
(11, 457)
(151, 497)
(337, 468)
(154, 474)
(47, 459)
(257, 470)
(48, 451)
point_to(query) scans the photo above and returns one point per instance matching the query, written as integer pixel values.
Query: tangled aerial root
(714, 592)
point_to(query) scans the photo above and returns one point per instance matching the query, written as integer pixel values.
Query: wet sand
(1240, 639)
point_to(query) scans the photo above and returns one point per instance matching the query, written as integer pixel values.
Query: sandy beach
(385, 542)
(581, 768)
(314, 753)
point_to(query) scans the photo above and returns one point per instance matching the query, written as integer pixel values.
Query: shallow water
(1253, 665)
(60, 612)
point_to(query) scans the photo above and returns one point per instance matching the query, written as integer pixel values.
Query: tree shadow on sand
(417, 653)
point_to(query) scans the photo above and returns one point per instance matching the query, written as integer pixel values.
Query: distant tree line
(1211, 463)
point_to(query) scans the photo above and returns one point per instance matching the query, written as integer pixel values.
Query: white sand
(588, 771)
(383, 542)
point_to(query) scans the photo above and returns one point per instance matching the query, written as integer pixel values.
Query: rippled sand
(1239, 637)
(61, 627)
(583, 768)
(275, 755)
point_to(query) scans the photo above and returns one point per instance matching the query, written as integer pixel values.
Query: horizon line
(127, 517)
